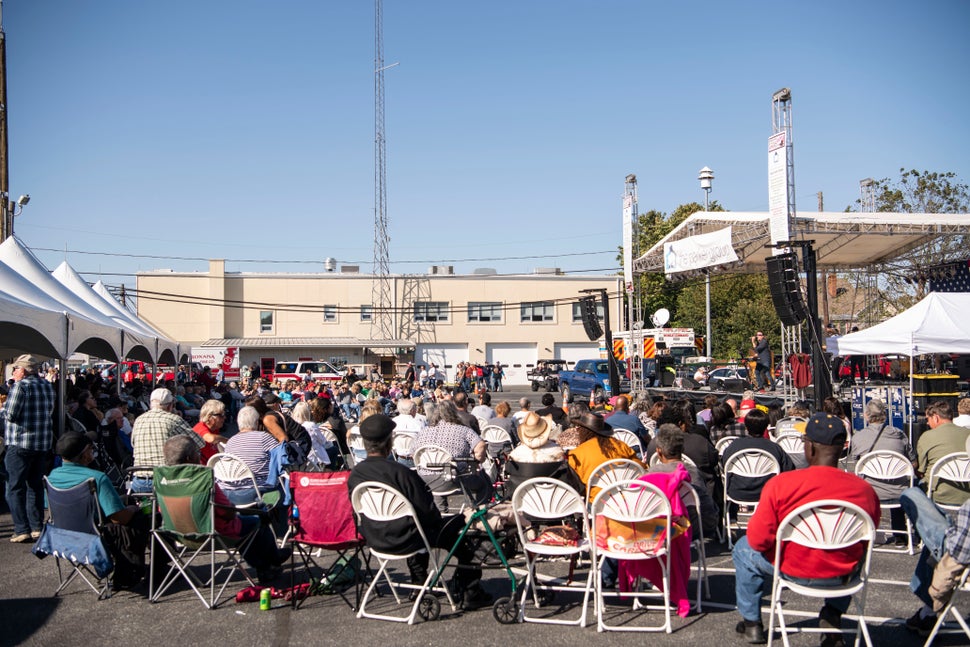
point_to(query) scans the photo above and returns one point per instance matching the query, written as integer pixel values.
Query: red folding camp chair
(324, 519)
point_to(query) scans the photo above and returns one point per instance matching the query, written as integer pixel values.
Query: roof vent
(350, 269)
(548, 270)
(485, 271)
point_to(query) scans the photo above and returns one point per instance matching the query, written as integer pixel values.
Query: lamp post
(706, 176)
(10, 209)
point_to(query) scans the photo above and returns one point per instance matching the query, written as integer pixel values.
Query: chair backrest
(723, 443)
(614, 471)
(885, 465)
(354, 439)
(790, 424)
(792, 442)
(402, 444)
(684, 458)
(752, 463)
(629, 438)
(495, 434)
(690, 499)
(326, 514)
(432, 457)
(230, 469)
(631, 505)
(827, 524)
(482, 422)
(185, 496)
(328, 434)
(953, 467)
(75, 508)
(380, 502)
(547, 498)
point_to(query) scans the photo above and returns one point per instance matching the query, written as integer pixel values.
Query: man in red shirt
(754, 554)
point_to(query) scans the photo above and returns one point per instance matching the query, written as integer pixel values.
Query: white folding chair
(402, 445)
(231, 471)
(790, 424)
(892, 468)
(482, 422)
(355, 443)
(613, 471)
(382, 503)
(823, 525)
(962, 590)
(631, 503)
(684, 458)
(496, 435)
(549, 500)
(688, 495)
(953, 467)
(724, 443)
(792, 442)
(630, 439)
(749, 463)
(438, 461)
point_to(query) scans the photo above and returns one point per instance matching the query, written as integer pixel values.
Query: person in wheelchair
(126, 530)
(401, 535)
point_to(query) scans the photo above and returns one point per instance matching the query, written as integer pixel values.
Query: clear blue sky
(244, 130)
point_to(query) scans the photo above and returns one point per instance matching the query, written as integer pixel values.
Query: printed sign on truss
(698, 252)
(778, 188)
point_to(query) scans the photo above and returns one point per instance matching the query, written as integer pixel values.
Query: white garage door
(446, 356)
(517, 360)
(573, 351)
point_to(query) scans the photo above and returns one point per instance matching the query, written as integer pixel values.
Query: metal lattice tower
(415, 288)
(867, 195)
(635, 316)
(781, 121)
(382, 322)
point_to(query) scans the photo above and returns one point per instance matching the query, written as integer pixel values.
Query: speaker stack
(786, 290)
(591, 322)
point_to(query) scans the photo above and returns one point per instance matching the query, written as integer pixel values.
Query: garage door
(446, 356)
(573, 351)
(516, 360)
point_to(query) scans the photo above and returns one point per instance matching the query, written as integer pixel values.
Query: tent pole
(912, 411)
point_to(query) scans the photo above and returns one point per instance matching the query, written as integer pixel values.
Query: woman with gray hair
(446, 430)
(253, 447)
(878, 434)
(212, 418)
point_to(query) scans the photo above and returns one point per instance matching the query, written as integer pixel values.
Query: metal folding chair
(954, 468)
(962, 590)
(750, 463)
(724, 443)
(232, 471)
(630, 439)
(891, 468)
(613, 471)
(691, 500)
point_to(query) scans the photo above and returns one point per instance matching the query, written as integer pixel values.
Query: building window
(431, 311)
(330, 314)
(266, 321)
(578, 311)
(538, 311)
(484, 311)
(366, 313)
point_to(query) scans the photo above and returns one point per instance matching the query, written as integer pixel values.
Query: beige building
(437, 317)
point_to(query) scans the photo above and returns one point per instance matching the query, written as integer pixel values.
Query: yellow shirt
(593, 453)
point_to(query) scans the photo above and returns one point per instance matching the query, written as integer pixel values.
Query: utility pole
(825, 277)
(6, 213)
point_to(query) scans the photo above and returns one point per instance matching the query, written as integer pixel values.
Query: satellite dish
(660, 317)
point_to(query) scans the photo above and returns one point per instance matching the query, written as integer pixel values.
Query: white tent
(940, 323)
(25, 327)
(165, 346)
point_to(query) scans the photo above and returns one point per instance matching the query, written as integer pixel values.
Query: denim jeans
(141, 485)
(754, 577)
(25, 488)
(931, 524)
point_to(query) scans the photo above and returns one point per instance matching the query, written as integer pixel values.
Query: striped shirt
(253, 447)
(149, 434)
(29, 407)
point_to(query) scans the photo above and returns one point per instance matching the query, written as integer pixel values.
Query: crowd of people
(319, 426)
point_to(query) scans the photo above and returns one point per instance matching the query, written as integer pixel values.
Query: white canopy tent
(167, 350)
(940, 323)
(25, 327)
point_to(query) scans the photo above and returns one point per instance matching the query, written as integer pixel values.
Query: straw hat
(534, 430)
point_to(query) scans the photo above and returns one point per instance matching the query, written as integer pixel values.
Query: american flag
(951, 277)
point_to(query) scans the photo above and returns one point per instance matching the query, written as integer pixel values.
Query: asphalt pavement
(29, 615)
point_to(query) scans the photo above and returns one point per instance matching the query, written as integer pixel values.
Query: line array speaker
(591, 322)
(786, 290)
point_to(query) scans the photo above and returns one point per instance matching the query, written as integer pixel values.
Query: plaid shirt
(735, 428)
(957, 539)
(29, 407)
(149, 433)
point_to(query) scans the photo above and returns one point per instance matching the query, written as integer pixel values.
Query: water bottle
(265, 598)
(295, 513)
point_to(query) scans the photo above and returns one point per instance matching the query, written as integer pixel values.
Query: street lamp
(11, 209)
(706, 176)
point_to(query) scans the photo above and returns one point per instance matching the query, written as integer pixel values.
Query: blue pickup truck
(590, 377)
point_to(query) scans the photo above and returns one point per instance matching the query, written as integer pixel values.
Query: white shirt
(963, 421)
(410, 423)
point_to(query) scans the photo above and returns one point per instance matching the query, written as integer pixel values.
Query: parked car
(296, 370)
(728, 378)
(591, 377)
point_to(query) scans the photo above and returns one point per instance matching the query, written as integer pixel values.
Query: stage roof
(843, 241)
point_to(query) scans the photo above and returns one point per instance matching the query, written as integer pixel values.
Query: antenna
(660, 317)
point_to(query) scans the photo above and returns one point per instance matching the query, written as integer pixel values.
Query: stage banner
(698, 252)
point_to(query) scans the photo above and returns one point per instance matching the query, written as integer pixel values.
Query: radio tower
(382, 321)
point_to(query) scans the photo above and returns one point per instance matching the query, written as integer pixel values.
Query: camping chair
(322, 518)
(750, 463)
(232, 471)
(382, 503)
(73, 534)
(962, 590)
(953, 467)
(894, 469)
(613, 471)
(549, 501)
(824, 525)
(691, 500)
(630, 439)
(724, 443)
(185, 495)
(641, 512)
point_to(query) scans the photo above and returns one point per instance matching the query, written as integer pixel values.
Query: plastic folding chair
(549, 500)
(724, 443)
(231, 471)
(497, 438)
(954, 468)
(402, 446)
(439, 462)
(382, 503)
(356, 445)
(613, 471)
(685, 459)
(691, 500)
(630, 439)
(891, 468)
(792, 442)
(823, 525)
(962, 590)
(750, 463)
(185, 495)
(322, 518)
(482, 422)
(790, 424)
(73, 530)
(644, 510)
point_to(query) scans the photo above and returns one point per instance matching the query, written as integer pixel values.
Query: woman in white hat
(535, 445)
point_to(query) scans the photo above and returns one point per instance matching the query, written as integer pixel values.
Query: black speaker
(786, 291)
(591, 322)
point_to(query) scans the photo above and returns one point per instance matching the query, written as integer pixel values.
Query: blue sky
(244, 130)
